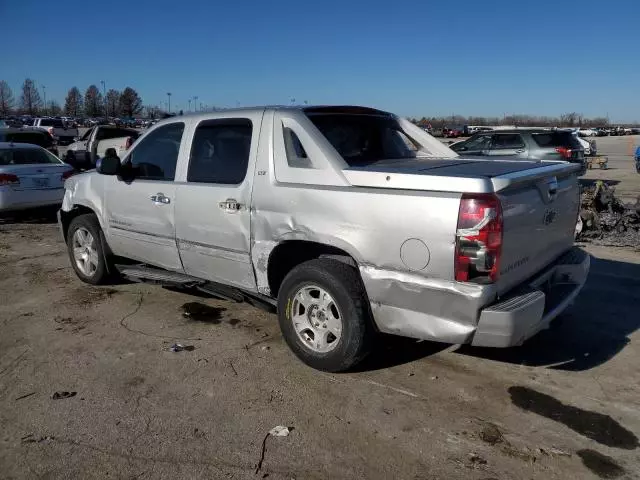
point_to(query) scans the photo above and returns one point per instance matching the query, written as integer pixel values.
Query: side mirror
(109, 164)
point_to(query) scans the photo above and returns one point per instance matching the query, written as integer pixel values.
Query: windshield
(363, 139)
(26, 156)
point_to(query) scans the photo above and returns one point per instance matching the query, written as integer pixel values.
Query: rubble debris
(278, 431)
(606, 220)
(476, 459)
(491, 434)
(178, 347)
(31, 439)
(63, 395)
(21, 397)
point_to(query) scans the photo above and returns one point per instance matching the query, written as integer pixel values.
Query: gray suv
(527, 144)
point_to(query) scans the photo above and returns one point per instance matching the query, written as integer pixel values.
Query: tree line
(126, 103)
(572, 119)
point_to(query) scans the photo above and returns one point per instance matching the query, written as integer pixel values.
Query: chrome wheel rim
(316, 318)
(85, 252)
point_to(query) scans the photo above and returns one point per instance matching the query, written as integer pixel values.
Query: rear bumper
(452, 312)
(533, 306)
(11, 200)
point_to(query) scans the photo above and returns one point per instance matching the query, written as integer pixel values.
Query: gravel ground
(566, 405)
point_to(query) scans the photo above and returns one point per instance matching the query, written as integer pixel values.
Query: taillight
(67, 174)
(564, 152)
(9, 179)
(128, 143)
(478, 238)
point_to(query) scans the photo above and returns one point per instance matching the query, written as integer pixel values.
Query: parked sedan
(30, 177)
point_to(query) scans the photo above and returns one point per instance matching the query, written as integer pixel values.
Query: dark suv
(526, 144)
(34, 137)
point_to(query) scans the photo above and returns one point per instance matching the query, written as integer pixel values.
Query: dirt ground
(566, 405)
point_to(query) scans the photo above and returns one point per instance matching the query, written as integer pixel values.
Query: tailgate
(540, 217)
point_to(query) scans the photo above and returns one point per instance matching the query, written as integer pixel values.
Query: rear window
(554, 139)
(51, 122)
(26, 156)
(34, 138)
(362, 139)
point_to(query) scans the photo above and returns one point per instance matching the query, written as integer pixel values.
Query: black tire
(91, 224)
(343, 283)
(70, 159)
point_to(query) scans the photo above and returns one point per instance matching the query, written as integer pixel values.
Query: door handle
(521, 150)
(160, 199)
(230, 205)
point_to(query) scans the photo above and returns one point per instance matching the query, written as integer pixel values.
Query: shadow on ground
(391, 350)
(591, 332)
(32, 216)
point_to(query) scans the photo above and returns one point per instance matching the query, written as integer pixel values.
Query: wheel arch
(288, 254)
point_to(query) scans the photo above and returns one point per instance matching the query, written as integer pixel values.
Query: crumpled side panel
(415, 306)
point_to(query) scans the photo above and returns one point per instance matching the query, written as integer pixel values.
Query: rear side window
(220, 151)
(296, 154)
(507, 140)
(554, 139)
(109, 133)
(51, 122)
(156, 156)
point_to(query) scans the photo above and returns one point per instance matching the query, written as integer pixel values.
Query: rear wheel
(324, 315)
(86, 250)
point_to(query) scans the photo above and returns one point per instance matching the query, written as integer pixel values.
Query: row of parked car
(467, 130)
(606, 131)
(74, 122)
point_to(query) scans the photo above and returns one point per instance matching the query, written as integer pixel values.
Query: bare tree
(73, 102)
(6, 99)
(130, 103)
(113, 103)
(30, 101)
(54, 108)
(93, 102)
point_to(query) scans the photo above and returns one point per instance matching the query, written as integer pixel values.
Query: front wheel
(324, 315)
(86, 250)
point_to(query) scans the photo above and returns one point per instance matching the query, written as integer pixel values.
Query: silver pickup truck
(346, 220)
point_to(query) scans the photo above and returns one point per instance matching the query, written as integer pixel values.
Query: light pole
(104, 97)
(169, 102)
(189, 106)
(44, 91)
(195, 103)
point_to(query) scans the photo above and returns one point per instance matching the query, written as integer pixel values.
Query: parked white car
(587, 132)
(30, 177)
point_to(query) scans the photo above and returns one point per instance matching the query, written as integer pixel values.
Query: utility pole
(169, 102)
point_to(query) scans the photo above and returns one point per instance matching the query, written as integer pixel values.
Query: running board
(143, 273)
(157, 275)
